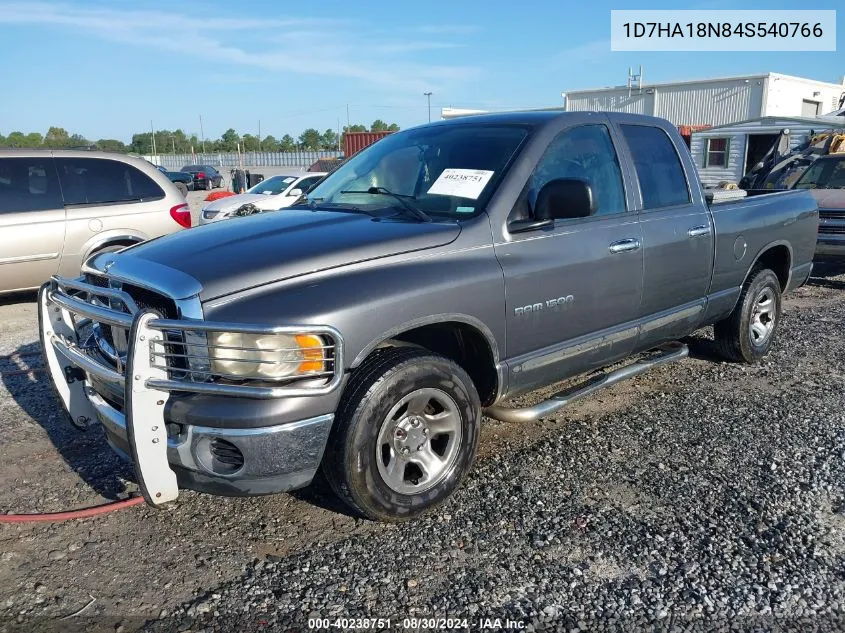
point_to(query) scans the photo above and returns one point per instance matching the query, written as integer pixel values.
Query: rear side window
(104, 181)
(29, 184)
(659, 170)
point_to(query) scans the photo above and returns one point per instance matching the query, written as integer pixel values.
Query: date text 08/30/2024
(416, 624)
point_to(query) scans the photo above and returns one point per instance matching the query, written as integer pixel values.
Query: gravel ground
(701, 496)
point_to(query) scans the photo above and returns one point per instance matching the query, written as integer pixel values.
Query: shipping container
(687, 130)
(354, 142)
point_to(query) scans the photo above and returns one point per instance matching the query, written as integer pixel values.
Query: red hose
(82, 513)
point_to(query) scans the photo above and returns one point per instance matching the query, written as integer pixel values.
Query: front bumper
(830, 245)
(148, 418)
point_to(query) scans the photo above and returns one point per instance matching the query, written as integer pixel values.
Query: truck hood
(227, 257)
(829, 198)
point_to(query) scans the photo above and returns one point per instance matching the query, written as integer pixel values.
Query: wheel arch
(101, 241)
(459, 337)
(776, 256)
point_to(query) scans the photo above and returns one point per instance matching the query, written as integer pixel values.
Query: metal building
(715, 101)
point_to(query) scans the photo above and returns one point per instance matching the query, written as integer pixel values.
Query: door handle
(623, 246)
(698, 231)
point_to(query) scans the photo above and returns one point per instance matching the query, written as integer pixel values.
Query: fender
(106, 237)
(430, 320)
(766, 248)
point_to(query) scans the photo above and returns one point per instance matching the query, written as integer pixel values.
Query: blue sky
(106, 69)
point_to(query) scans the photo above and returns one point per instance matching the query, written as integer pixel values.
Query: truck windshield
(442, 170)
(824, 174)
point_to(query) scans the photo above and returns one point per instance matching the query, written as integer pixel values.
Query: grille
(836, 230)
(145, 300)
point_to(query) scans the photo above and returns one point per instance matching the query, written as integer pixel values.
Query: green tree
(329, 140)
(269, 144)
(34, 139)
(229, 140)
(378, 126)
(355, 128)
(392, 128)
(287, 143)
(16, 139)
(311, 139)
(57, 137)
(250, 143)
(110, 145)
(2, 141)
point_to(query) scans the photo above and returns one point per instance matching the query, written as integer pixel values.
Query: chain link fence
(220, 160)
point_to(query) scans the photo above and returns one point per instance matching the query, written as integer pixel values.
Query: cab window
(658, 166)
(585, 152)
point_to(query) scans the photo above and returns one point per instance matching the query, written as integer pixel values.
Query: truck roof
(534, 118)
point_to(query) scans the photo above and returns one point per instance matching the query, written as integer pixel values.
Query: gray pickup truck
(430, 278)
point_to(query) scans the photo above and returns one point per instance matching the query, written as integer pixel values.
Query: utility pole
(173, 141)
(347, 117)
(153, 137)
(259, 135)
(428, 96)
(202, 136)
(338, 136)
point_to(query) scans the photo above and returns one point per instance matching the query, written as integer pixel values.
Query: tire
(208, 184)
(748, 333)
(394, 405)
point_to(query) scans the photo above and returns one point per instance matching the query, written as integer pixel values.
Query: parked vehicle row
(274, 193)
(430, 278)
(57, 208)
(204, 176)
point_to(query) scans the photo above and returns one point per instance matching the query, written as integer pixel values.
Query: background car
(205, 176)
(60, 207)
(825, 179)
(276, 192)
(184, 181)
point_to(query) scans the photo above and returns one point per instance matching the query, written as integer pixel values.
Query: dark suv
(205, 176)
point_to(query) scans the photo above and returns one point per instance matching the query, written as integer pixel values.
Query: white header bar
(746, 30)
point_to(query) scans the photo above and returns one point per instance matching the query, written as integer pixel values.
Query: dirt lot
(702, 495)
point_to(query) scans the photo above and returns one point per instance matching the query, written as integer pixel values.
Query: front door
(32, 222)
(571, 289)
(677, 238)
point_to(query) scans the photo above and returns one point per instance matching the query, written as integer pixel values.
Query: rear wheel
(208, 184)
(405, 435)
(748, 333)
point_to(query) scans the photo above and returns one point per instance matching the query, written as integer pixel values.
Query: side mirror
(295, 192)
(565, 198)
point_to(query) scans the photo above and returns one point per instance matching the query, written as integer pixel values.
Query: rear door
(572, 290)
(677, 236)
(32, 222)
(106, 197)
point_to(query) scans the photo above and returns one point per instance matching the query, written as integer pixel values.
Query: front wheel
(405, 435)
(748, 333)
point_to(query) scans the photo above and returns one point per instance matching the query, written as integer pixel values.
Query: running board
(666, 353)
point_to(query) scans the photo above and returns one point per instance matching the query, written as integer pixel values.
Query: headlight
(270, 356)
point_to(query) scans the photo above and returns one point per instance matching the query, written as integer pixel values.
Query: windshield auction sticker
(462, 183)
(723, 30)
